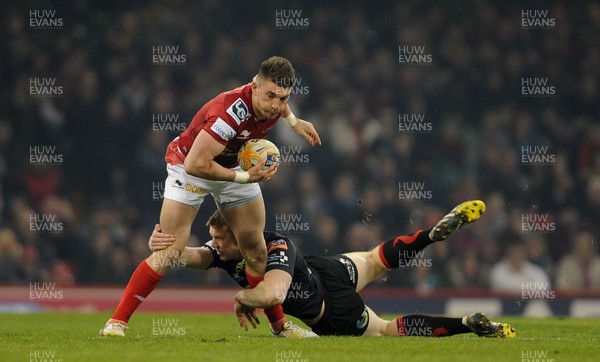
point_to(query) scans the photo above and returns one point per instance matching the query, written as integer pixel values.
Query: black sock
(427, 326)
(398, 251)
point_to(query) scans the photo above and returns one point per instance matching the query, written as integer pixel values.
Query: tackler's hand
(159, 241)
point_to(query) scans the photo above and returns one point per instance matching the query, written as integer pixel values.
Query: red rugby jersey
(230, 120)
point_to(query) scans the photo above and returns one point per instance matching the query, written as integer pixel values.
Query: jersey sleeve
(281, 256)
(221, 130)
(216, 263)
(226, 119)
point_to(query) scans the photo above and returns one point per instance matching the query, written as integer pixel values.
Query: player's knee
(252, 243)
(256, 256)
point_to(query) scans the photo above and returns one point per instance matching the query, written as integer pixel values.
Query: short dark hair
(279, 70)
(216, 220)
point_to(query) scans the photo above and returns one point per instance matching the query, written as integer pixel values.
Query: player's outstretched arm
(308, 131)
(191, 258)
(269, 293)
(304, 128)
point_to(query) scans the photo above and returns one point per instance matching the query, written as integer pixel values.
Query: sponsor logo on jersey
(363, 322)
(221, 128)
(238, 111)
(277, 244)
(245, 134)
(278, 258)
(350, 268)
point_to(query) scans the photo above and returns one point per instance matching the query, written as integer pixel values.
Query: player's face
(268, 99)
(225, 243)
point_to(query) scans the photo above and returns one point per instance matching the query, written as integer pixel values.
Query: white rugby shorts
(190, 190)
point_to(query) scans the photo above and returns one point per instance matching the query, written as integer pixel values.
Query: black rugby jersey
(305, 294)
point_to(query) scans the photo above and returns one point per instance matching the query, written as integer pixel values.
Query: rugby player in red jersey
(322, 291)
(203, 160)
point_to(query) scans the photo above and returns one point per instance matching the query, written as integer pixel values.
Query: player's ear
(255, 83)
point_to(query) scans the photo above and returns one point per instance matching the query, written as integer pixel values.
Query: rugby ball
(256, 150)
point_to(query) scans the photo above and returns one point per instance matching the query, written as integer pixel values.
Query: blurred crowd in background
(84, 216)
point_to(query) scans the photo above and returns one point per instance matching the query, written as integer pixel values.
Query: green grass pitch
(216, 337)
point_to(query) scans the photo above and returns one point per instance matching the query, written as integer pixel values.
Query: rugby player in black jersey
(322, 291)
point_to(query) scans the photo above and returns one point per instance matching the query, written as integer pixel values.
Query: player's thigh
(182, 198)
(243, 208)
(247, 222)
(177, 218)
(377, 325)
(367, 266)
